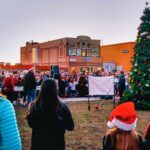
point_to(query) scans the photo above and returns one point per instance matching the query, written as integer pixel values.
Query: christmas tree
(140, 72)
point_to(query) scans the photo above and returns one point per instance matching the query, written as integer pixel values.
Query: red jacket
(8, 84)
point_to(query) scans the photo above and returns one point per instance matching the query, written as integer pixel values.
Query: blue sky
(112, 21)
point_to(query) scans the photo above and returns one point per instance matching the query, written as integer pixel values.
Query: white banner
(101, 85)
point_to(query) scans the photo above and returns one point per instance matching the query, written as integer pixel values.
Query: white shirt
(116, 80)
(126, 80)
(72, 85)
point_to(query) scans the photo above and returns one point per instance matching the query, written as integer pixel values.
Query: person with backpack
(49, 118)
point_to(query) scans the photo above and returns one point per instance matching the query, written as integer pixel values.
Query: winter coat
(8, 84)
(29, 81)
(121, 83)
(62, 85)
(48, 129)
(9, 133)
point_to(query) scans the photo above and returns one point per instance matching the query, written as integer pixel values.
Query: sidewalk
(84, 99)
(79, 99)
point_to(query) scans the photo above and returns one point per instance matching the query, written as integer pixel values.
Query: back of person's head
(147, 132)
(48, 96)
(125, 140)
(123, 120)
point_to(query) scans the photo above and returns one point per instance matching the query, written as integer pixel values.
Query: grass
(90, 126)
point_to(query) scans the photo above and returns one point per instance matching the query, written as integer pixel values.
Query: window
(78, 52)
(83, 53)
(95, 52)
(61, 52)
(83, 45)
(89, 52)
(72, 52)
(88, 45)
(78, 45)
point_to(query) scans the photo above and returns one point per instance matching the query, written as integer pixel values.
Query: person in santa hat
(122, 135)
(8, 87)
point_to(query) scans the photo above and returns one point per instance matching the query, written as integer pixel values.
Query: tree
(140, 71)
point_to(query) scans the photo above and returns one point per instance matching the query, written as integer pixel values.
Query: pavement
(82, 99)
(71, 99)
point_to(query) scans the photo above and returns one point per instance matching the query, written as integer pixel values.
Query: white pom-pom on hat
(123, 117)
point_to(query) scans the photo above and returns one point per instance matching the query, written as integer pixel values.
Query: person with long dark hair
(49, 118)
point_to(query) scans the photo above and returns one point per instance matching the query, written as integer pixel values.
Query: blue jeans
(126, 87)
(31, 95)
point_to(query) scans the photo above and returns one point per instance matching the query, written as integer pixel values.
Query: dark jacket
(121, 83)
(146, 145)
(29, 81)
(62, 85)
(108, 145)
(48, 129)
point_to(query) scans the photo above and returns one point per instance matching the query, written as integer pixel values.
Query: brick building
(120, 54)
(77, 53)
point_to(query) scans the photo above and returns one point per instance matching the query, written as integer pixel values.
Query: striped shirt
(9, 133)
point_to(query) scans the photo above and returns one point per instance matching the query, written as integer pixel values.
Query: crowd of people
(70, 84)
(49, 117)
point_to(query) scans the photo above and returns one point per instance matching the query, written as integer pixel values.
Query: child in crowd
(72, 87)
(122, 135)
(146, 142)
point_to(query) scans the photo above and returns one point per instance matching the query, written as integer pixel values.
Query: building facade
(80, 53)
(119, 54)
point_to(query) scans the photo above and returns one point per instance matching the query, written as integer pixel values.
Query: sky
(111, 21)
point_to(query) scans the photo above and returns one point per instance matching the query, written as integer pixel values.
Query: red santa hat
(123, 117)
(31, 69)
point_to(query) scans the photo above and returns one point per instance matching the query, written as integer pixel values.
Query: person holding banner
(122, 135)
